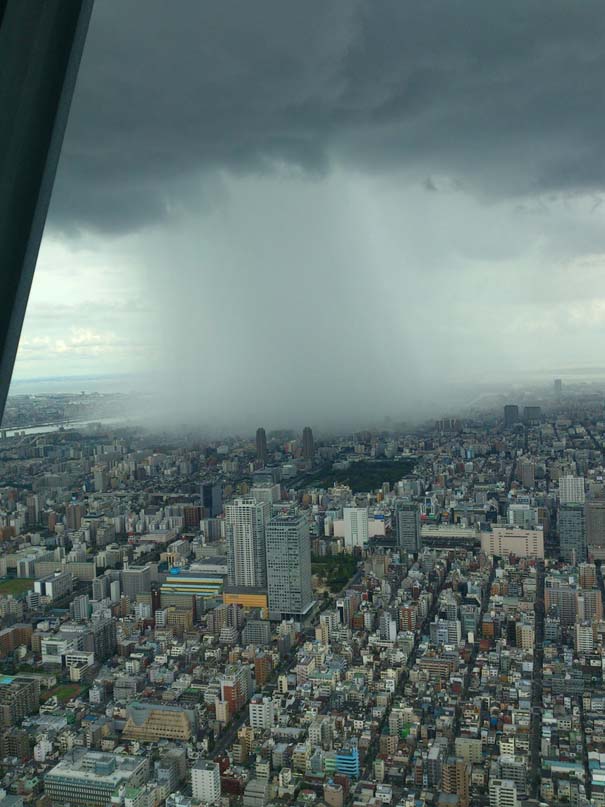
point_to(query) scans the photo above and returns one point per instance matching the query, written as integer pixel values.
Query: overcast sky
(283, 211)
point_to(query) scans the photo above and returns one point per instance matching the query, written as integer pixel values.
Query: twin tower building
(270, 553)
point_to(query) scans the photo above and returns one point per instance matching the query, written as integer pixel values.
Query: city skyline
(404, 611)
(302, 466)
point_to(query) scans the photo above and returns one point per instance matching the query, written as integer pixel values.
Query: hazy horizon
(326, 214)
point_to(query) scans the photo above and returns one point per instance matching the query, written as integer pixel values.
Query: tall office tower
(206, 781)
(356, 526)
(211, 494)
(558, 387)
(572, 532)
(136, 580)
(245, 525)
(288, 566)
(511, 415)
(33, 509)
(308, 445)
(261, 444)
(407, 526)
(595, 528)
(571, 489)
(532, 414)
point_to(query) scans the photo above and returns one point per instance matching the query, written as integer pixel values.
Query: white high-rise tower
(245, 523)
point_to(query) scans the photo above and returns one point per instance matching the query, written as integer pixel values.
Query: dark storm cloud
(501, 98)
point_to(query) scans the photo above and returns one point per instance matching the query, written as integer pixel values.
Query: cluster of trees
(334, 570)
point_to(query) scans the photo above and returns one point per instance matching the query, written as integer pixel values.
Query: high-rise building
(18, 698)
(456, 778)
(263, 667)
(80, 608)
(571, 489)
(73, 516)
(502, 793)
(236, 686)
(387, 627)
(54, 586)
(584, 637)
(103, 636)
(356, 526)
(532, 414)
(526, 471)
(288, 566)
(115, 590)
(261, 712)
(407, 526)
(511, 415)
(561, 599)
(589, 605)
(446, 631)
(595, 528)
(587, 575)
(100, 587)
(206, 781)
(170, 770)
(572, 532)
(245, 525)
(261, 444)
(308, 444)
(136, 580)
(101, 478)
(558, 387)
(211, 494)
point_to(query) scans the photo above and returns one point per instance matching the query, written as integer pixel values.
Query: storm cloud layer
(326, 208)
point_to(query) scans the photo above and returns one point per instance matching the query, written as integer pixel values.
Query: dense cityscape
(404, 617)
(302, 404)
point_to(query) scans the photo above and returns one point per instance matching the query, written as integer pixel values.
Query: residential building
(245, 525)
(206, 781)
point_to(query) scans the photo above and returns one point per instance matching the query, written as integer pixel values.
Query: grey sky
(297, 210)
